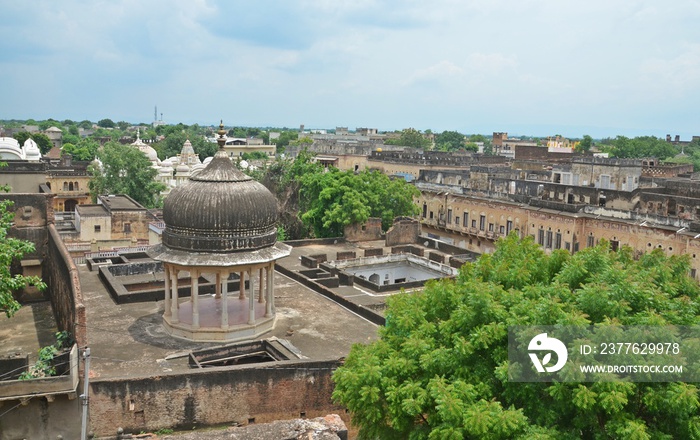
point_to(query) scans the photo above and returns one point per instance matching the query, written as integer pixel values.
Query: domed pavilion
(220, 226)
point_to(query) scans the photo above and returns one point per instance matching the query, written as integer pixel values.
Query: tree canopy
(410, 137)
(125, 170)
(439, 369)
(85, 149)
(450, 141)
(334, 199)
(641, 146)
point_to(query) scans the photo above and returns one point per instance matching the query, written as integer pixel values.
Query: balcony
(48, 387)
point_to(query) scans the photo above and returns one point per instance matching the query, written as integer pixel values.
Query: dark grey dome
(220, 210)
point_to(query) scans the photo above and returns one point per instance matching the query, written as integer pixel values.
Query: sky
(526, 67)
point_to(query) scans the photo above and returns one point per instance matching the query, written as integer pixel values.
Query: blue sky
(532, 67)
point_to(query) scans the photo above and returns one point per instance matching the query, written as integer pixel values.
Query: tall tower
(155, 114)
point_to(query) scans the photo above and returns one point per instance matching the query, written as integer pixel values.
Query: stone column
(217, 294)
(224, 304)
(166, 278)
(194, 297)
(175, 318)
(261, 290)
(272, 283)
(251, 299)
(242, 283)
(268, 305)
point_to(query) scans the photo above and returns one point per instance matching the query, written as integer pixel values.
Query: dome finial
(222, 135)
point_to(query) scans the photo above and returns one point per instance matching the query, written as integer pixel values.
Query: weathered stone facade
(476, 223)
(246, 394)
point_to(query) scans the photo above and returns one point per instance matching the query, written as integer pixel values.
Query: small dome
(10, 149)
(31, 150)
(150, 152)
(220, 210)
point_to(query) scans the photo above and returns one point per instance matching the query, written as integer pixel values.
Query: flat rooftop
(129, 339)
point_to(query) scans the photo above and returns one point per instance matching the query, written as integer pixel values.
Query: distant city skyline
(527, 68)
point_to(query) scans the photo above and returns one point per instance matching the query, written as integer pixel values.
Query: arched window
(70, 186)
(65, 186)
(75, 186)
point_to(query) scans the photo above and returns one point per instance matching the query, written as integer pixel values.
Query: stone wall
(370, 230)
(242, 394)
(32, 212)
(404, 231)
(61, 276)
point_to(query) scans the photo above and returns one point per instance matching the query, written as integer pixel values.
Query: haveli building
(562, 199)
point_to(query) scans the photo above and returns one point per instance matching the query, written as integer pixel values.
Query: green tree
(125, 170)
(22, 137)
(12, 249)
(106, 123)
(70, 138)
(642, 146)
(305, 141)
(43, 142)
(585, 145)
(410, 137)
(332, 200)
(284, 139)
(439, 369)
(449, 141)
(85, 149)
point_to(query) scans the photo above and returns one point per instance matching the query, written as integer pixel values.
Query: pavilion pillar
(174, 305)
(217, 293)
(261, 290)
(166, 278)
(272, 288)
(224, 304)
(268, 303)
(194, 297)
(251, 299)
(242, 286)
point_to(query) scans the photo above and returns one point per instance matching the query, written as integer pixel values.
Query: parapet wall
(238, 395)
(61, 277)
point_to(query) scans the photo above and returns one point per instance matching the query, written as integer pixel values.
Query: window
(557, 240)
(473, 223)
(65, 186)
(501, 229)
(548, 243)
(590, 241)
(127, 227)
(449, 215)
(425, 210)
(431, 215)
(457, 220)
(482, 222)
(540, 237)
(490, 227)
(465, 219)
(509, 226)
(98, 228)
